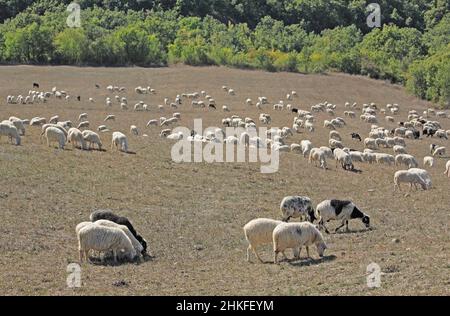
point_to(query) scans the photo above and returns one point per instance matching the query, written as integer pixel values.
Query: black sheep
(294, 110)
(121, 220)
(356, 136)
(35, 85)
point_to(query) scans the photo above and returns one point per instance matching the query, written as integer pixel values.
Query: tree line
(310, 36)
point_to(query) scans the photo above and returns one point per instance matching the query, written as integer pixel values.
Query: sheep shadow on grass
(108, 260)
(309, 261)
(352, 231)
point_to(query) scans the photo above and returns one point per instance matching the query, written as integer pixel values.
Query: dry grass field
(192, 214)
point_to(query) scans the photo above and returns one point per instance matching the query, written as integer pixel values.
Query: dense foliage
(411, 48)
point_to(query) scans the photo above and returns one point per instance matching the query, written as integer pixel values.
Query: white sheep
(92, 138)
(136, 244)
(439, 151)
(152, 122)
(119, 140)
(343, 158)
(54, 119)
(37, 121)
(110, 118)
(54, 134)
(382, 158)
(18, 123)
(306, 146)
(399, 149)
(103, 238)
(74, 136)
(8, 129)
(335, 135)
(134, 130)
(335, 144)
(428, 161)
(316, 154)
(447, 169)
(84, 124)
(370, 143)
(412, 177)
(82, 117)
(259, 232)
(295, 236)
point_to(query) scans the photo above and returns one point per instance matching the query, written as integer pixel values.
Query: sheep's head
(321, 248)
(366, 220)
(143, 242)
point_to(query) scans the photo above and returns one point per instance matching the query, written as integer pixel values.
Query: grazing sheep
(92, 138)
(65, 124)
(382, 158)
(357, 156)
(54, 134)
(119, 140)
(54, 119)
(447, 169)
(370, 143)
(296, 235)
(103, 128)
(344, 159)
(413, 177)
(428, 161)
(82, 117)
(306, 147)
(399, 149)
(339, 210)
(152, 122)
(37, 121)
(439, 151)
(8, 129)
(407, 160)
(18, 123)
(102, 238)
(309, 126)
(84, 124)
(165, 133)
(136, 244)
(297, 206)
(74, 136)
(134, 130)
(121, 220)
(316, 154)
(335, 144)
(110, 118)
(259, 232)
(335, 135)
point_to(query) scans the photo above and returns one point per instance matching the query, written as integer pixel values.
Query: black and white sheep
(339, 210)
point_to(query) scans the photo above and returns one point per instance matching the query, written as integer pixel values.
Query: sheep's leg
(80, 255)
(248, 252)
(307, 252)
(115, 255)
(257, 256)
(346, 226)
(325, 227)
(275, 255)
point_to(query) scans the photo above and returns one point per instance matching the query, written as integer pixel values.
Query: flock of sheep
(107, 232)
